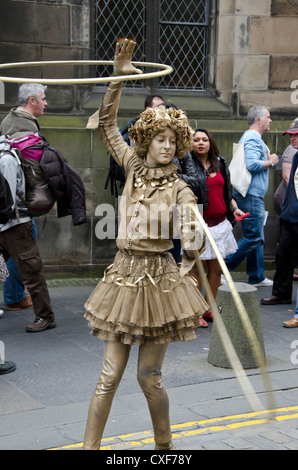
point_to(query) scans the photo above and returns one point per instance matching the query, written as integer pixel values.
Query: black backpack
(115, 173)
(6, 201)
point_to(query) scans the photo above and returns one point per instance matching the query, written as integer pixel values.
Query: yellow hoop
(81, 81)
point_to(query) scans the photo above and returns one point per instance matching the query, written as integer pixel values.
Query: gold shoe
(167, 446)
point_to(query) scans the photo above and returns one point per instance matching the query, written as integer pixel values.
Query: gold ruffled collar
(149, 173)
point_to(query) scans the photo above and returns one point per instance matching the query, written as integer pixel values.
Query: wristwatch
(272, 164)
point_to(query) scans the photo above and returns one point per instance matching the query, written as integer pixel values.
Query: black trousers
(286, 256)
(19, 243)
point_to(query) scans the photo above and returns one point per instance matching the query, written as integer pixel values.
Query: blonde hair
(155, 120)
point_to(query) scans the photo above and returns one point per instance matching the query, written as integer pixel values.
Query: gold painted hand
(122, 59)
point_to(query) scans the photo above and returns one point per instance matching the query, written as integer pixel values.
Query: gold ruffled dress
(144, 296)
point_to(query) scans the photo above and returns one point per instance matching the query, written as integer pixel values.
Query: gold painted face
(162, 148)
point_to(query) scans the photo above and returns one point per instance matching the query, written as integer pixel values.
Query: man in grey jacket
(22, 120)
(17, 240)
(16, 235)
(19, 122)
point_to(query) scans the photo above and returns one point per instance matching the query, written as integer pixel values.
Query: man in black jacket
(287, 250)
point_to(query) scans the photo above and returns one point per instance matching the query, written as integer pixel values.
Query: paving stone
(275, 436)
(47, 397)
(236, 443)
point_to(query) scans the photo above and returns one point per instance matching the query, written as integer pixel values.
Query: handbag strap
(251, 130)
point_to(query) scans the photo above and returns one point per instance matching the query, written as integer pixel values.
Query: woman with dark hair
(219, 207)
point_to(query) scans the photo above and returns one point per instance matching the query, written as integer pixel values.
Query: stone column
(235, 329)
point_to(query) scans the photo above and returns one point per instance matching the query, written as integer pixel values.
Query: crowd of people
(147, 296)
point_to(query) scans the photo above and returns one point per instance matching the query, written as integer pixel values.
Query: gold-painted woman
(144, 298)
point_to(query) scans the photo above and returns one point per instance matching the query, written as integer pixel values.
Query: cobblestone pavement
(44, 403)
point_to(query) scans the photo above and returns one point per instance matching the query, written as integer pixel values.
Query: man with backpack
(19, 122)
(22, 120)
(16, 236)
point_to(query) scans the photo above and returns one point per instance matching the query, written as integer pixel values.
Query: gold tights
(115, 359)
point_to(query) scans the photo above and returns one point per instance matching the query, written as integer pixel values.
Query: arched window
(173, 32)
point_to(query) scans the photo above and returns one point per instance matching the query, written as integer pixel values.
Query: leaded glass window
(173, 32)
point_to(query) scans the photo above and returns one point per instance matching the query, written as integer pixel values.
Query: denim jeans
(13, 288)
(251, 245)
(296, 309)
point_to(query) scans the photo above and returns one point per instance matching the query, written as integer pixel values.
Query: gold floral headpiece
(153, 121)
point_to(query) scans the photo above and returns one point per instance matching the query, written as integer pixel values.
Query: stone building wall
(252, 60)
(255, 55)
(49, 30)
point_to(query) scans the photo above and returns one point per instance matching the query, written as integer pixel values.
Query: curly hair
(155, 120)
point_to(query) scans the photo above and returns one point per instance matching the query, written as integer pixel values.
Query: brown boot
(26, 303)
(40, 324)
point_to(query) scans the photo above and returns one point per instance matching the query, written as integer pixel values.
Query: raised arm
(105, 119)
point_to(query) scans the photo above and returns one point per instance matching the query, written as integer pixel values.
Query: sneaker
(265, 283)
(1, 313)
(7, 367)
(223, 280)
(40, 324)
(26, 303)
(291, 323)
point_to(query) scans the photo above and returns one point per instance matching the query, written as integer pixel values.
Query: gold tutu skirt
(143, 299)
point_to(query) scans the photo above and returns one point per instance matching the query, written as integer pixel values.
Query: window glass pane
(182, 29)
(116, 21)
(183, 36)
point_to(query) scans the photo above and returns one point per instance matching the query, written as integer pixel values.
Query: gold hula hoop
(230, 351)
(166, 69)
